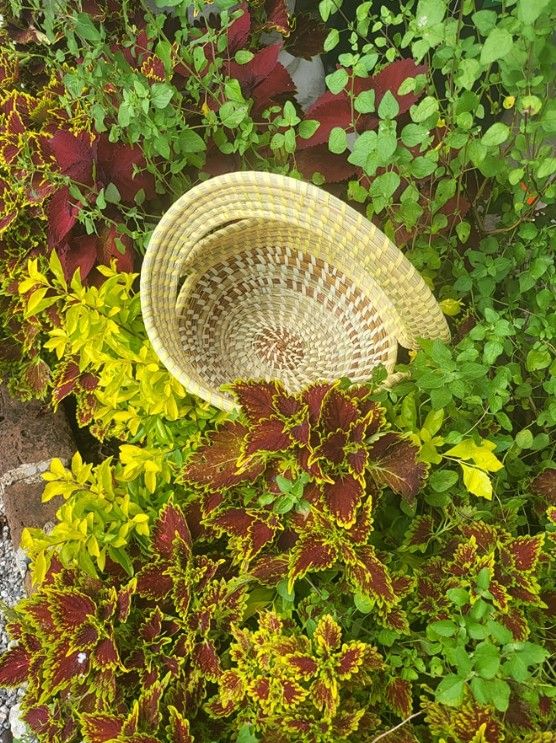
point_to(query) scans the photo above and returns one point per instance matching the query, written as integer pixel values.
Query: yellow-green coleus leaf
(477, 481)
(481, 454)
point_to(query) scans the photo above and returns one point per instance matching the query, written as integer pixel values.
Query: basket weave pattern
(262, 276)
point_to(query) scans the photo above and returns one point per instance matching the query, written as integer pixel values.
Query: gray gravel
(11, 590)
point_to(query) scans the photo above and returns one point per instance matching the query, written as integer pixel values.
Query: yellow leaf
(476, 481)
(482, 455)
(40, 566)
(450, 307)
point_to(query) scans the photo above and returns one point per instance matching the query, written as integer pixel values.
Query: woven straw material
(256, 275)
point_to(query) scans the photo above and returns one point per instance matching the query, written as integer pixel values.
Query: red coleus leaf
(178, 729)
(523, 552)
(292, 693)
(351, 658)
(100, 728)
(106, 653)
(66, 380)
(235, 521)
(270, 570)
(206, 659)
(256, 398)
(313, 397)
(324, 694)
(515, 621)
(277, 16)
(37, 376)
(260, 689)
(78, 253)
(14, 667)
(272, 89)
(38, 718)
(357, 460)
(371, 576)
(390, 78)
(110, 244)
(256, 70)
(302, 665)
(86, 637)
(62, 214)
(545, 486)
(360, 530)
(267, 436)
(343, 498)
(71, 608)
(238, 32)
(485, 535)
(393, 462)
(66, 667)
(330, 111)
(399, 697)
(153, 582)
(215, 463)
(307, 37)
(332, 447)
(327, 635)
(311, 553)
(74, 155)
(420, 531)
(124, 166)
(232, 686)
(338, 411)
(169, 525)
(149, 707)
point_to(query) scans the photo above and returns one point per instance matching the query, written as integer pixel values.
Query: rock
(31, 435)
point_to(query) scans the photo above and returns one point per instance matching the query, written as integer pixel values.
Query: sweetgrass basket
(256, 275)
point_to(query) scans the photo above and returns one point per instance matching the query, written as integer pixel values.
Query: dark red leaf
(330, 111)
(338, 411)
(371, 576)
(327, 634)
(268, 435)
(101, 728)
(270, 570)
(179, 727)
(393, 462)
(38, 719)
(256, 398)
(74, 155)
(271, 89)
(277, 16)
(524, 552)
(238, 32)
(206, 659)
(170, 524)
(79, 253)
(65, 667)
(343, 497)
(399, 697)
(311, 553)
(215, 463)
(62, 214)
(313, 397)
(332, 448)
(319, 159)
(307, 37)
(106, 653)
(153, 582)
(390, 78)
(117, 162)
(545, 486)
(14, 667)
(71, 608)
(350, 659)
(108, 250)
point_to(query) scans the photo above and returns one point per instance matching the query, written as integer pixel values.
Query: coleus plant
(321, 458)
(123, 659)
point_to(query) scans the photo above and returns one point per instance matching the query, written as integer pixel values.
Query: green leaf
(337, 140)
(426, 108)
(243, 56)
(232, 114)
(283, 504)
(480, 690)
(444, 628)
(111, 194)
(363, 603)
(484, 20)
(495, 135)
(499, 692)
(161, 94)
(529, 10)
(246, 735)
(337, 81)
(388, 107)
(364, 103)
(443, 480)
(190, 141)
(497, 45)
(483, 579)
(468, 72)
(86, 29)
(385, 185)
(307, 128)
(429, 13)
(332, 40)
(547, 167)
(284, 484)
(458, 596)
(450, 691)
(414, 134)
(477, 631)
(486, 659)
(537, 358)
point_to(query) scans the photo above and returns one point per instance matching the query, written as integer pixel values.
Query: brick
(24, 507)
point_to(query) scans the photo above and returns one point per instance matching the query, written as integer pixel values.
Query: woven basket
(256, 275)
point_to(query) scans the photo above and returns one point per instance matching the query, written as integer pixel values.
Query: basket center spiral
(279, 347)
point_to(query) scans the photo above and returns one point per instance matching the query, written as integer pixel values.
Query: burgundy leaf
(268, 435)
(343, 497)
(307, 37)
(14, 667)
(319, 159)
(117, 163)
(311, 553)
(79, 254)
(399, 697)
(100, 727)
(393, 462)
(74, 155)
(256, 398)
(108, 249)
(238, 32)
(170, 524)
(62, 214)
(371, 576)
